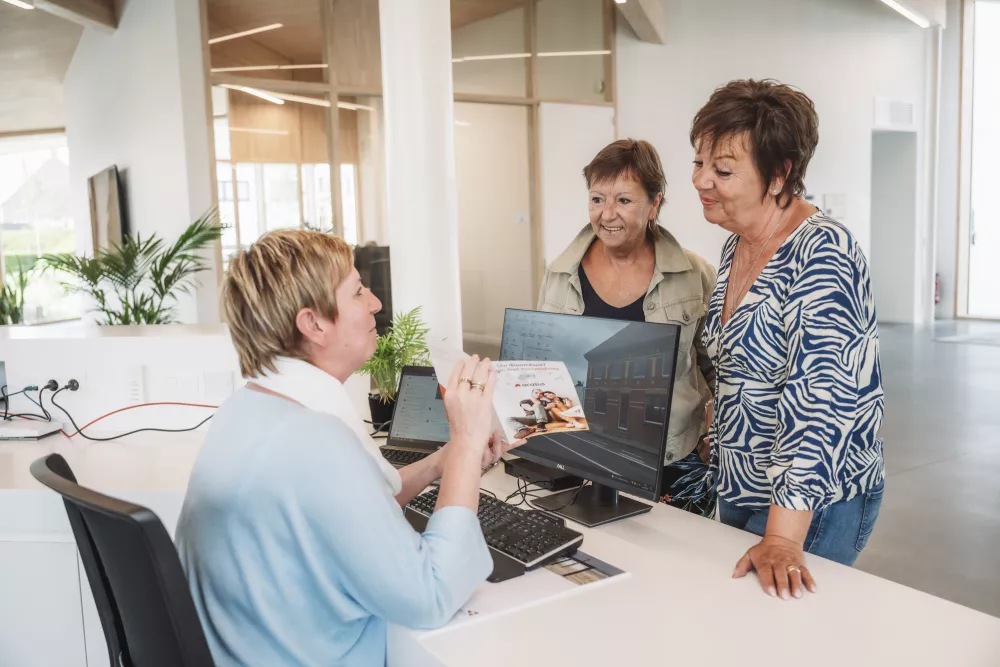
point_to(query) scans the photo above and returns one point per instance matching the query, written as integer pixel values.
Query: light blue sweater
(296, 551)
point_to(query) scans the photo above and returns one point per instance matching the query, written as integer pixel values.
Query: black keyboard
(530, 538)
(402, 457)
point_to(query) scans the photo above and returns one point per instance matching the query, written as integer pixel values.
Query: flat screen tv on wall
(108, 210)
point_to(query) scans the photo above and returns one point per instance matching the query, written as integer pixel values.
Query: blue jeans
(838, 532)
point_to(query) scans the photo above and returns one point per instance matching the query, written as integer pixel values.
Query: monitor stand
(595, 505)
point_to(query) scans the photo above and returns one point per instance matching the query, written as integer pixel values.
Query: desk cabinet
(40, 612)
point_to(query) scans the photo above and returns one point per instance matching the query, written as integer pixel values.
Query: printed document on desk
(571, 575)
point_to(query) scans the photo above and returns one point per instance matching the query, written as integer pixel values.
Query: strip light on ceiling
(256, 68)
(919, 19)
(280, 98)
(244, 33)
(543, 54)
(20, 3)
(256, 93)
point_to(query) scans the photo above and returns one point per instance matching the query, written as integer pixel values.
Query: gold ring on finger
(469, 380)
(477, 385)
(793, 568)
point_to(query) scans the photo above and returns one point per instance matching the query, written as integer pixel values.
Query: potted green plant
(12, 289)
(138, 281)
(404, 344)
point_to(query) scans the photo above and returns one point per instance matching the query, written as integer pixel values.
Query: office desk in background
(678, 606)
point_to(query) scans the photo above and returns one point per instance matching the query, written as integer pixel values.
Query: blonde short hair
(267, 285)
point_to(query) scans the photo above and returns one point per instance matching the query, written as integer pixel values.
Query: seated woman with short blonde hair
(291, 533)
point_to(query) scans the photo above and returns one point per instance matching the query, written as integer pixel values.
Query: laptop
(419, 424)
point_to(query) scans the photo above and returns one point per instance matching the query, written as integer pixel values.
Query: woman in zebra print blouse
(791, 331)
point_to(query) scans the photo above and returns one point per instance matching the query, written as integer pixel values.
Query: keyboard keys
(529, 537)
(402, 457)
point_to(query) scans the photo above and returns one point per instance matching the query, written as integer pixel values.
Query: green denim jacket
(679, 293)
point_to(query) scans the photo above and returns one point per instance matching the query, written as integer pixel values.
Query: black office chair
(142, 596)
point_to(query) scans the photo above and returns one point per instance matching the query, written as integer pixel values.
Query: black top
(595, 306)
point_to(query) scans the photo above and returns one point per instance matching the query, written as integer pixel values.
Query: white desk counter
(679, 604)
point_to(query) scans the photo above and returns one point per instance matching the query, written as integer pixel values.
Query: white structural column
(422, 203)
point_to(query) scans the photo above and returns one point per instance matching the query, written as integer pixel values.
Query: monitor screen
(419, 418)
(624, 378)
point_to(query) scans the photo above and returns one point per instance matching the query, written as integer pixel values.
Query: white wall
(494, 217)
(570, 135)
(136, 99)
(842, 53)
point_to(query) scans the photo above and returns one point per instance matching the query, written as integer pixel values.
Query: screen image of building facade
(628, 386)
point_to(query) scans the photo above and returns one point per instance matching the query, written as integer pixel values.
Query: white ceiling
(35, 51)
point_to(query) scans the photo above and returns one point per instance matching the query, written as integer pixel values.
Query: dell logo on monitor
(560, 466)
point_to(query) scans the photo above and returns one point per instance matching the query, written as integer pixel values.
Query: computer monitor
(418, 420)
(624, 377)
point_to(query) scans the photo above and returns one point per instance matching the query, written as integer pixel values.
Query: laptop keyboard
(402, 457)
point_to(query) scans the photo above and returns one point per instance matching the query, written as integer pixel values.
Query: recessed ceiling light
(20, 3)
(244, 33)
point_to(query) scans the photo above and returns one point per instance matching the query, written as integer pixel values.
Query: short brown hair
(634, 158)
(779, 123)
(267, 285)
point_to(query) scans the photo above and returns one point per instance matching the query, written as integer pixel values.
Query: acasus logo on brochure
(530, 384)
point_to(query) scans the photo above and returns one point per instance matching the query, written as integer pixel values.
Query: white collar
(317, 390)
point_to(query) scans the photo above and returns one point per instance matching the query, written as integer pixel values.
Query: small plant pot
(381, 411)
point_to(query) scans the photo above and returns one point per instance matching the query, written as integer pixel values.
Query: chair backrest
(141, 594)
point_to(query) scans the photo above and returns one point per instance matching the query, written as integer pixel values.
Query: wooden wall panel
(306, 141)
(356, 54)
(347, 141)
(247, 111)
(313, 124)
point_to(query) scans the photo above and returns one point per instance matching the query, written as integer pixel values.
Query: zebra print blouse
(798, 399)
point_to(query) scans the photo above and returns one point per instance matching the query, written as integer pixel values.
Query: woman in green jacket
(623, 265)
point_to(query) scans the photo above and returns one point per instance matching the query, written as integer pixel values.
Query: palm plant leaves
(405, 344)
(175, 267)
(12, 296)
(144, 274)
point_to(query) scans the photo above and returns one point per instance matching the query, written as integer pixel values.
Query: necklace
(733, 300)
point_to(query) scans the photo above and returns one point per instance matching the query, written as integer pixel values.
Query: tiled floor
(939, 529)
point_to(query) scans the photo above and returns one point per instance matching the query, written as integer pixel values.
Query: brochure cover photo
(531, 397)
(536, 398)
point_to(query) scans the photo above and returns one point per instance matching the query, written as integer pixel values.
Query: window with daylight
(36, 219)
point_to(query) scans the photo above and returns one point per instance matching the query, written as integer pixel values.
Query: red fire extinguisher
(937, 288)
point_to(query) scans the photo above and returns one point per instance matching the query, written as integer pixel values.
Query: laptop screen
(419, 418)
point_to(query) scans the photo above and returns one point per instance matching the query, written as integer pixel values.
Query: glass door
(984, 217)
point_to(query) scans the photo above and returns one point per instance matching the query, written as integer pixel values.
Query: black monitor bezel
(390, 441)
(585, 474)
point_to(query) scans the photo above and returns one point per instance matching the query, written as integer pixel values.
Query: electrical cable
(564, 505)
(41, 400)
(79, 431)
(8, 415)
(378, 427)
(141, 405)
